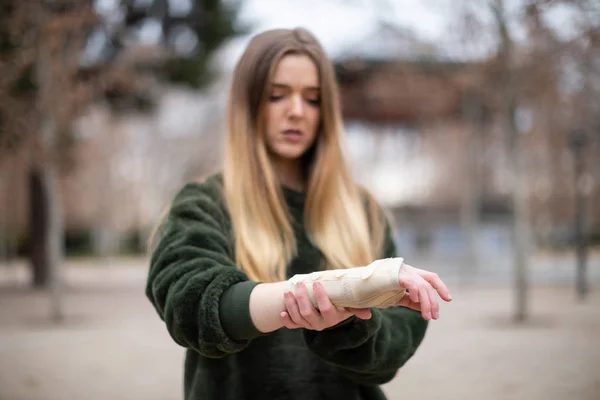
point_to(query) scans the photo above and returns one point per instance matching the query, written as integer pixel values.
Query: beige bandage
(375, 285)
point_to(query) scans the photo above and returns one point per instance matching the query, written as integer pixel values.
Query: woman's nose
(297, 106)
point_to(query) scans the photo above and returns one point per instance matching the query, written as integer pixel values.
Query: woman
(284, 207)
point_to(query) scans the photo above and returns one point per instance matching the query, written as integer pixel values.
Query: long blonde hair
(340, 217)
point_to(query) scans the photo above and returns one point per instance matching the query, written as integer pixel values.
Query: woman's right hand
(300, 312)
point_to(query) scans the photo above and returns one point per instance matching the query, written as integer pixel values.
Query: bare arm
(375, 285)
(270, 304)
(351, 291)
(266, 305)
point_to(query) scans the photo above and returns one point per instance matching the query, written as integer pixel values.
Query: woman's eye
(275, 97)
(316, 101)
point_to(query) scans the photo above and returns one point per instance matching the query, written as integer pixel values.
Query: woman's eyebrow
(284, 86)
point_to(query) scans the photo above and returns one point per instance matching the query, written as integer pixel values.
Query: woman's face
(293, 111)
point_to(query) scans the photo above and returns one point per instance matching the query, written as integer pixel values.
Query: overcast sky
(352, 25)
(339, 22)
(341, 25)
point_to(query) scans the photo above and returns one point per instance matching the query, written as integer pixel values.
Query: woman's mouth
(292, 134)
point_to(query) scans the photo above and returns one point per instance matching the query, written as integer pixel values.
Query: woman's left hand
(300, 312)
(422, 288)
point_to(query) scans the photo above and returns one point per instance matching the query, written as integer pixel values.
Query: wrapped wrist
(375, 285)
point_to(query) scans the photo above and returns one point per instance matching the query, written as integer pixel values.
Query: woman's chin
(290, 152)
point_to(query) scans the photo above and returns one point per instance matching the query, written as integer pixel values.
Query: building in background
(431, 146)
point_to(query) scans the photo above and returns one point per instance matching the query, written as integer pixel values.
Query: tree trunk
(4, 232)
(46, 226)
(580, 226)
(50, 179)
(520, 224)
(47, 181)
(38, 228)
(8, 218)
(509, 101)
(469, 212)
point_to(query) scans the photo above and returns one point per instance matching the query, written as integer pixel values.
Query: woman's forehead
(296, 70)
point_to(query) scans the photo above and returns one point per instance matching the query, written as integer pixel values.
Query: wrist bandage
(375, 285)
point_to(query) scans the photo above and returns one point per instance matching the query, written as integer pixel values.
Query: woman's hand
(421, 295)
(300, 312)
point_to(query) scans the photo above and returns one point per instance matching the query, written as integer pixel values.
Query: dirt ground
(112, 345)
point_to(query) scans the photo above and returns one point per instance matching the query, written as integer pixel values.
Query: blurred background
(476, 123)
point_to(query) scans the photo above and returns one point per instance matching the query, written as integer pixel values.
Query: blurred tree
(507, 77)
(528, 81)
(40, 97)
(474, 113)
(58, 56)
(179, 35)
(584, 131)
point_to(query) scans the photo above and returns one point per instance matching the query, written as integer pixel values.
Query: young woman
(279, 275)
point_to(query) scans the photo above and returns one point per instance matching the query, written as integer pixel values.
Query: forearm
(375, 285)
(266, 305)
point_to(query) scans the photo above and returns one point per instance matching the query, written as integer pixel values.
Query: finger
(326, 308)
(341, 309)
(435, 281)
(330, 313)
(291, 306)
(286, 320)
(408, 303)
(362, 313)
(413, 293)
(433, 302)
(307, 310)
(424, 300)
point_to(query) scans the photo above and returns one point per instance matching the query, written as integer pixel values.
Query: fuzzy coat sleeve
(190, 268)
